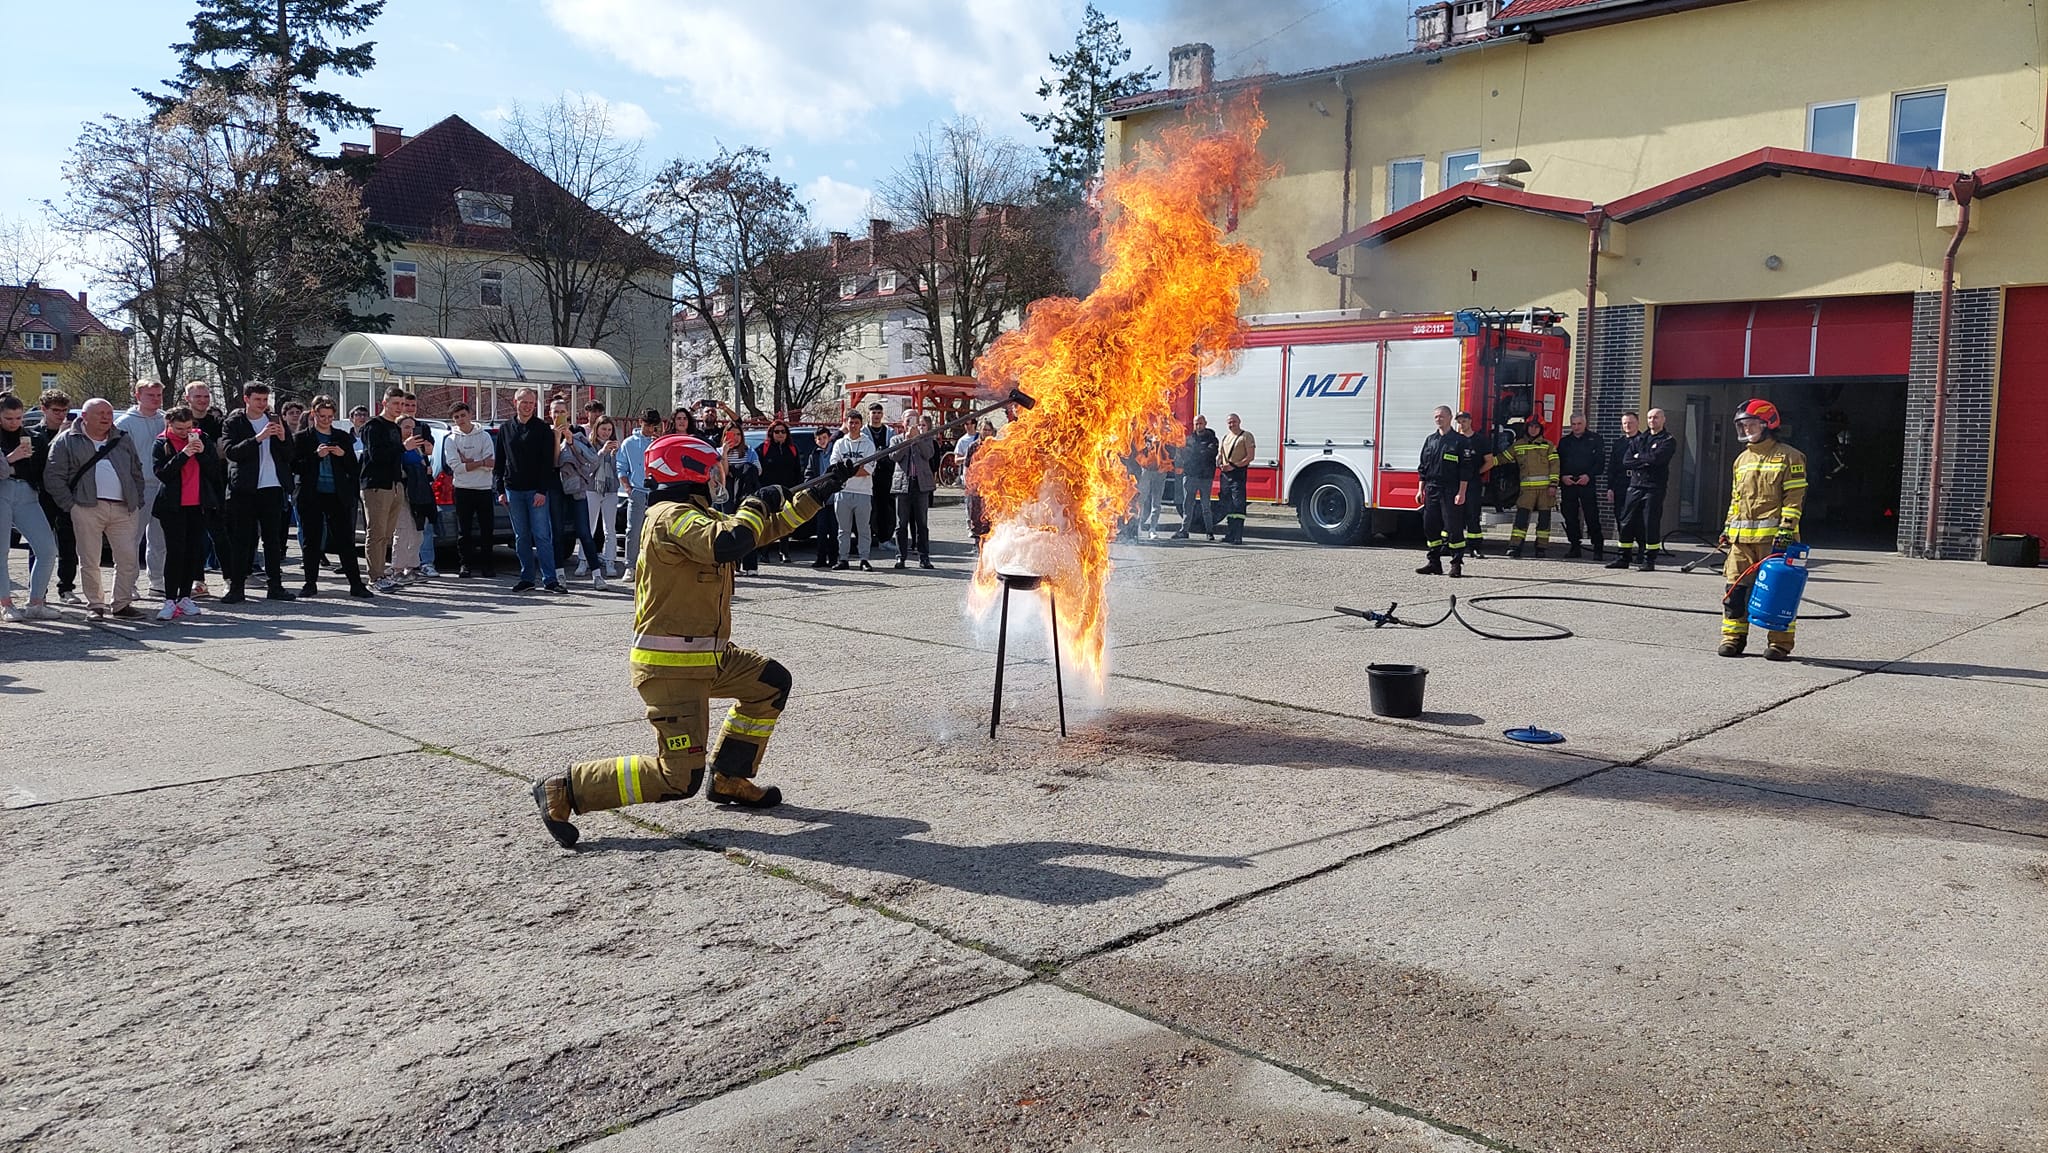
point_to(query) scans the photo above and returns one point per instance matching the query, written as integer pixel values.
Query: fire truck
(1338, 403)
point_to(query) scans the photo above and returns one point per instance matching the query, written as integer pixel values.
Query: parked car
(447, 533)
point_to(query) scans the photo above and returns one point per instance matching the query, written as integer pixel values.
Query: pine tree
(1078, 96)
(272, 245)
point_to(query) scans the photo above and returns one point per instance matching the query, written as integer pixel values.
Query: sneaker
(361, 591)
(864, 567)
(555, 587)
(186, 608)
(582, 570)
(15, 616)
(839, 565)
(70, 597)
(429, 571)
(390, 584)
(169, 612)
(309, 592)
(43, 612)
(926, 564)
(201, 592)
(523, 587)
(597, 581)
(129, 613)
(280, 593)
(96, 612)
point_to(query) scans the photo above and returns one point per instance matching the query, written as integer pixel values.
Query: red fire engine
(1338, 404)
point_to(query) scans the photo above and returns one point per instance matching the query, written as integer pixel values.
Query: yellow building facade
(1788, 154)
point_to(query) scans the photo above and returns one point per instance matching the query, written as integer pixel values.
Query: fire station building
(1836, 205)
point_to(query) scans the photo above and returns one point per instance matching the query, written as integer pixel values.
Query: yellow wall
(1603, 113)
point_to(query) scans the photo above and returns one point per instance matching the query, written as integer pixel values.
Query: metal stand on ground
(1026, 582)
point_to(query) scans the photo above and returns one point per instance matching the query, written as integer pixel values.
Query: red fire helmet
(1762, 410)
(680, 459)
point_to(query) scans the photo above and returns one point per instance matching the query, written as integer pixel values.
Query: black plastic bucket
(1396, 690)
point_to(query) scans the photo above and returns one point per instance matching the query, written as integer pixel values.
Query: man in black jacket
(382, 467)
(1197, 477)
(882, 505)
(1581, 457)
(259, 452)
(1647, 460)
(530, 450)
(328, 476)
(1449, 466)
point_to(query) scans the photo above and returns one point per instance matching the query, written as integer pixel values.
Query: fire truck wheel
(1331, 506)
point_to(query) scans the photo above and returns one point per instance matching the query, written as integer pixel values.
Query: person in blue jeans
(532, 450)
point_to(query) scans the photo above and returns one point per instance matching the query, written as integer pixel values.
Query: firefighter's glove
(1724, 544)
(1784, 541)
(771, 498)
(835, 478)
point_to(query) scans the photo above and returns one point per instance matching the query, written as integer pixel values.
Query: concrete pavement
(274, 881)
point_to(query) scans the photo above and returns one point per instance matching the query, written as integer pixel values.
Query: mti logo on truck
(1333, 384)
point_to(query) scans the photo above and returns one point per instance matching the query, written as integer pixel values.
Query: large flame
(1105, 370)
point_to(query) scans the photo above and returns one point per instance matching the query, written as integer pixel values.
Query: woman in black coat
(188, 463)
(783, 465)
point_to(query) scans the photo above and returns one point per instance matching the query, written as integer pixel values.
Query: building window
(50, 385)
(886, 282)
(6, 381)
(909, 350)
(1460, 167)
(405, 280)
(717, 309)
(573, 304)
(847, 287)
(1831, 129)
(39, 341)
(1404, 183)
(1916, 129)
(490, 289)
(484, 209)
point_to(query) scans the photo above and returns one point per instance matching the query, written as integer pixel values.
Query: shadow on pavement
(1950, 669)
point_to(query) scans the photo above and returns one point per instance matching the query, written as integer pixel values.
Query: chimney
(1190, 66)
(839, 240)
(83, 305)
(355, 149)
(386, 139)
(877, 229)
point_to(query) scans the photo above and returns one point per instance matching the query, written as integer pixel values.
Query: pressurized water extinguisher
(1780, 582)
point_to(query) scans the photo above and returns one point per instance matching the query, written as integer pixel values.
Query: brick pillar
(1966, 447)
(1616, 385)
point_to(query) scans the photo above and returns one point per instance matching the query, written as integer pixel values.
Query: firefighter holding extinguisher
(1763, 520)
(682, 654)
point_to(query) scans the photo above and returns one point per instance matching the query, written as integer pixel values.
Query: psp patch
(677, 743)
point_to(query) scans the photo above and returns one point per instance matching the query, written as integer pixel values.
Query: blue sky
(837, 91)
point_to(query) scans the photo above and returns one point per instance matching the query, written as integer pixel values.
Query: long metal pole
(995, 710)
(1059, 687)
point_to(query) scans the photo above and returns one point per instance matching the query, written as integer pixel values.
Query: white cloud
(628, 119)
(837, 205)
(794, 67)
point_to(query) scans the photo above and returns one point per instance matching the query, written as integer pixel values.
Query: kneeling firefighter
(682, 657)
(1536, 459)
(1763, 520)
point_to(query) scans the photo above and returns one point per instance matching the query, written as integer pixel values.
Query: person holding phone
(602, 501)
(532, 449)
(325, 453)
(191, 475)
(259, 461)
(742, 477)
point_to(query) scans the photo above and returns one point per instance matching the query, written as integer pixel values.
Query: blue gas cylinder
(1780, 582)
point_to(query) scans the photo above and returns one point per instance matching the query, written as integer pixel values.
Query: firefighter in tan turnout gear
(1763, 519)
(1536, 459)
(682, 656)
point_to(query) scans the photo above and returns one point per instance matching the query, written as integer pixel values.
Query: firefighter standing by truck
(1475, 531)
(1536, 460)
(1450, 465)
(1763, 520)
(682, 655)
(1579, 461)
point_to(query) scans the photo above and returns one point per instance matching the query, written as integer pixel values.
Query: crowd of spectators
(166, 496)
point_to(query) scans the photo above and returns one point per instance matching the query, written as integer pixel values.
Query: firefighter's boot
(1777, 653)
(1732, 646)
(1649, 562)
(1515, 551)
(1432, 567)
(1574, 552)
(1457, 566)
(742, 791)
(1621, 561)
(551, 796)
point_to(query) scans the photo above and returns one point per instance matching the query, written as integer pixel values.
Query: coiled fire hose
(1557, 632)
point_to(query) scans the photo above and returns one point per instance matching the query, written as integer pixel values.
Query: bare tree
(722, 221)
(582, 240)
(27, 251)
(121, 209)
(964, 239)
(795, 291)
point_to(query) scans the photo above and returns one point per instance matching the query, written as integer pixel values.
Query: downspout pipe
(1965, 192)
(1595, 221)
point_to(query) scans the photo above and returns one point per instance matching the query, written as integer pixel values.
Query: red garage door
(2019, 484)
(1841, 337)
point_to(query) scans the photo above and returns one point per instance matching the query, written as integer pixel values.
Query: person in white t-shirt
(259, 452)
(470, 454)
(854, 503)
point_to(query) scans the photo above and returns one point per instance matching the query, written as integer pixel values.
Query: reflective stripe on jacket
(1770, 492)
